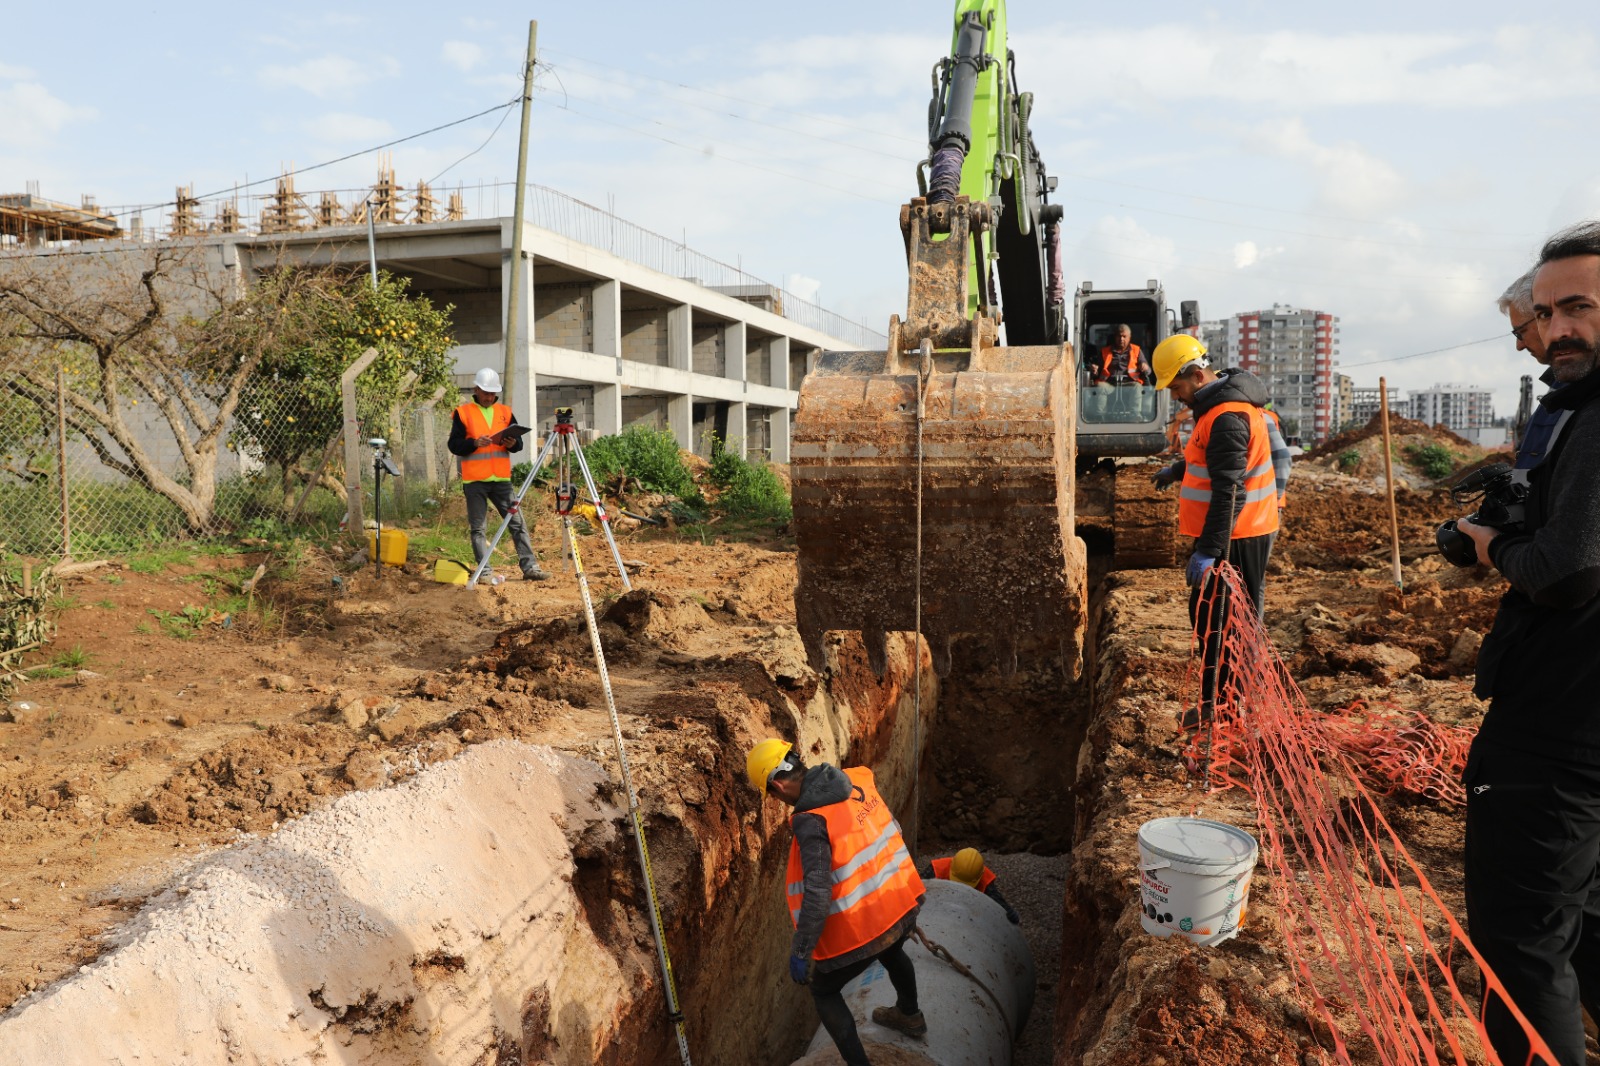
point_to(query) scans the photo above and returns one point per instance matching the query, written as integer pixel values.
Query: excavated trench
(489, 910)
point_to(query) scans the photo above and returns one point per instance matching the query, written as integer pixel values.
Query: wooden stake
(1388, 476)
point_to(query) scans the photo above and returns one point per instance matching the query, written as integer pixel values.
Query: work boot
(912, 1025)
(536, 573)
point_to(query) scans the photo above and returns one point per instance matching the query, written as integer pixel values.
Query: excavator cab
(1120, 411)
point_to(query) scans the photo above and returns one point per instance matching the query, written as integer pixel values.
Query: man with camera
(1533, 775)
(482, 441)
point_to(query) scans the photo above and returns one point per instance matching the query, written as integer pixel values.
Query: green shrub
(1434, 460)
(1349, 460)
(749, 490)
(648, 456)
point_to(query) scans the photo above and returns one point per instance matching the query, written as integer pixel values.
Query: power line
(731, 159)
(1419, 355)
(920, 142)
(139, 208)
(1272, 229)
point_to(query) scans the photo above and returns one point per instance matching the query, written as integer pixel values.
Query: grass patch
(159, 559)
(76, 658)
(106, 605)
(1434, 460)
(1349, 460)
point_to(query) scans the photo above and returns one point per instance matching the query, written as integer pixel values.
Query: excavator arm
(932, 482)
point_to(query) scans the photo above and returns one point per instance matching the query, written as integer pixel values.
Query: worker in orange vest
(483, 450)
(1228, 501)
(853, 892)
(968, 867)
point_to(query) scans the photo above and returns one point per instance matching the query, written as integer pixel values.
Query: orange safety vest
(1134, 352)
(875, 883)
(941, 870)
(1260, 490)
(492, 460)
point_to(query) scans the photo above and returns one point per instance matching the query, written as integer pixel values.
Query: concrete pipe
(972, 1020)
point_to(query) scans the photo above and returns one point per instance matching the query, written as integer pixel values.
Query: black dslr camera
(1501, 503)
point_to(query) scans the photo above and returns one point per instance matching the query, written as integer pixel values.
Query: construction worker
(483, 448)
(1281, 460)
(1229, 496)
(1516, 303)
(1121, 377)
(968, 867)
(854, 894)
(1532, 778)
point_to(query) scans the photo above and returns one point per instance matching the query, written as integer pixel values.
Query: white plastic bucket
(1194, 878)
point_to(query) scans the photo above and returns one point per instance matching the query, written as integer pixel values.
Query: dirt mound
(1398, 427)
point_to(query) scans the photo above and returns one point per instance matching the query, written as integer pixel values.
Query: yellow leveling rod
(673, 1010)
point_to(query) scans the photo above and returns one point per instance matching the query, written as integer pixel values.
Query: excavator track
(999, 553)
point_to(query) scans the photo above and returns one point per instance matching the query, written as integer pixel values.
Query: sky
(1396, 164)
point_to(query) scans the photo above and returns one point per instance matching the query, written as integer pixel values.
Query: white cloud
(1172, 62)
(803, 287)
(33, 115)
(1245, 253)
(462, 54)
(329, 75)
(10, 73)
(1351, 179)
(341, 127)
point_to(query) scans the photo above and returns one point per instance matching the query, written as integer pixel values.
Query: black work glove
(1012, 916)
(1167, 475)
(800, 969)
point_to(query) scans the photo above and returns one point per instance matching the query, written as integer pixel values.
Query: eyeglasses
(1518, 331)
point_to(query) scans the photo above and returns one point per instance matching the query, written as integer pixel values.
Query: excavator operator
(1122, 380)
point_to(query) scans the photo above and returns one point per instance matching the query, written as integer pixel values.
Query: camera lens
(1455, 545)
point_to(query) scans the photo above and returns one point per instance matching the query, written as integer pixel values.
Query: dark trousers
(827, 990)
(1533, 897)
(1209, 608)
(480, 494)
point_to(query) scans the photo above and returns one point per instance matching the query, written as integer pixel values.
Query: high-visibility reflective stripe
(867, 854)
(871, 884)
(1197, 470)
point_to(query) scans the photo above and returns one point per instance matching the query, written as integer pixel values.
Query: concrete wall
(564, 315)
(644, 336)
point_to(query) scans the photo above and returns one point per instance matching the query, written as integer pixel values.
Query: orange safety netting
(1371, 943)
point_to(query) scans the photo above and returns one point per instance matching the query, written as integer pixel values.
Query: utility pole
(514, 298)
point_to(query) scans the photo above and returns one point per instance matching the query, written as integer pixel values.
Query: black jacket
(825, 784)
(1227, 454)
(1539, 664)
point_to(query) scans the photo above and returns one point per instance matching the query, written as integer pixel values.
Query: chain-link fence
(174, 471)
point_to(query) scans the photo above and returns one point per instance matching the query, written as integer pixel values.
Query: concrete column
(733, 343)
(680, 419)
(523, 398)
(607, 409)
(779, 431)
(680, 339)
(738, 429)
(608, 319)
(778, 358)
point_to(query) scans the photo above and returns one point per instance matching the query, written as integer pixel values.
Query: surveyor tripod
(563, 444)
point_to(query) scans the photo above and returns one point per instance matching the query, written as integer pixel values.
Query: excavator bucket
(992, 462)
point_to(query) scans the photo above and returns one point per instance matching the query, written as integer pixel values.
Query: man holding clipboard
(482, 437)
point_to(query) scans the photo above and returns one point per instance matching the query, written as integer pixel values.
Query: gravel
(1035, 886)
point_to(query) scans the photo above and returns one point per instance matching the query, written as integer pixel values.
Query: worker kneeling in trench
(968, 867)
(854, 893)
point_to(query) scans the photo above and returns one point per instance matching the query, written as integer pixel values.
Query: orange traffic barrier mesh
(1371, 943)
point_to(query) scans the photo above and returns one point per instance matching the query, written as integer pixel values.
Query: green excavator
(938, 485)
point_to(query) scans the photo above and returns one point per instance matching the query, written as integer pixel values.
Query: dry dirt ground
(179, 739)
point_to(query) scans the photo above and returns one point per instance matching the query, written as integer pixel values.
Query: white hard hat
(487, 380)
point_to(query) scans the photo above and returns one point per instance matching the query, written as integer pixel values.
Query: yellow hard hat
(764, 758)
(1174, 354)
(967, 867)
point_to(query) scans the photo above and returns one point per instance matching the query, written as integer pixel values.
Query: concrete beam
(466, 275)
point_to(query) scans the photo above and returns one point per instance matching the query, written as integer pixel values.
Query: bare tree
(166, 325)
